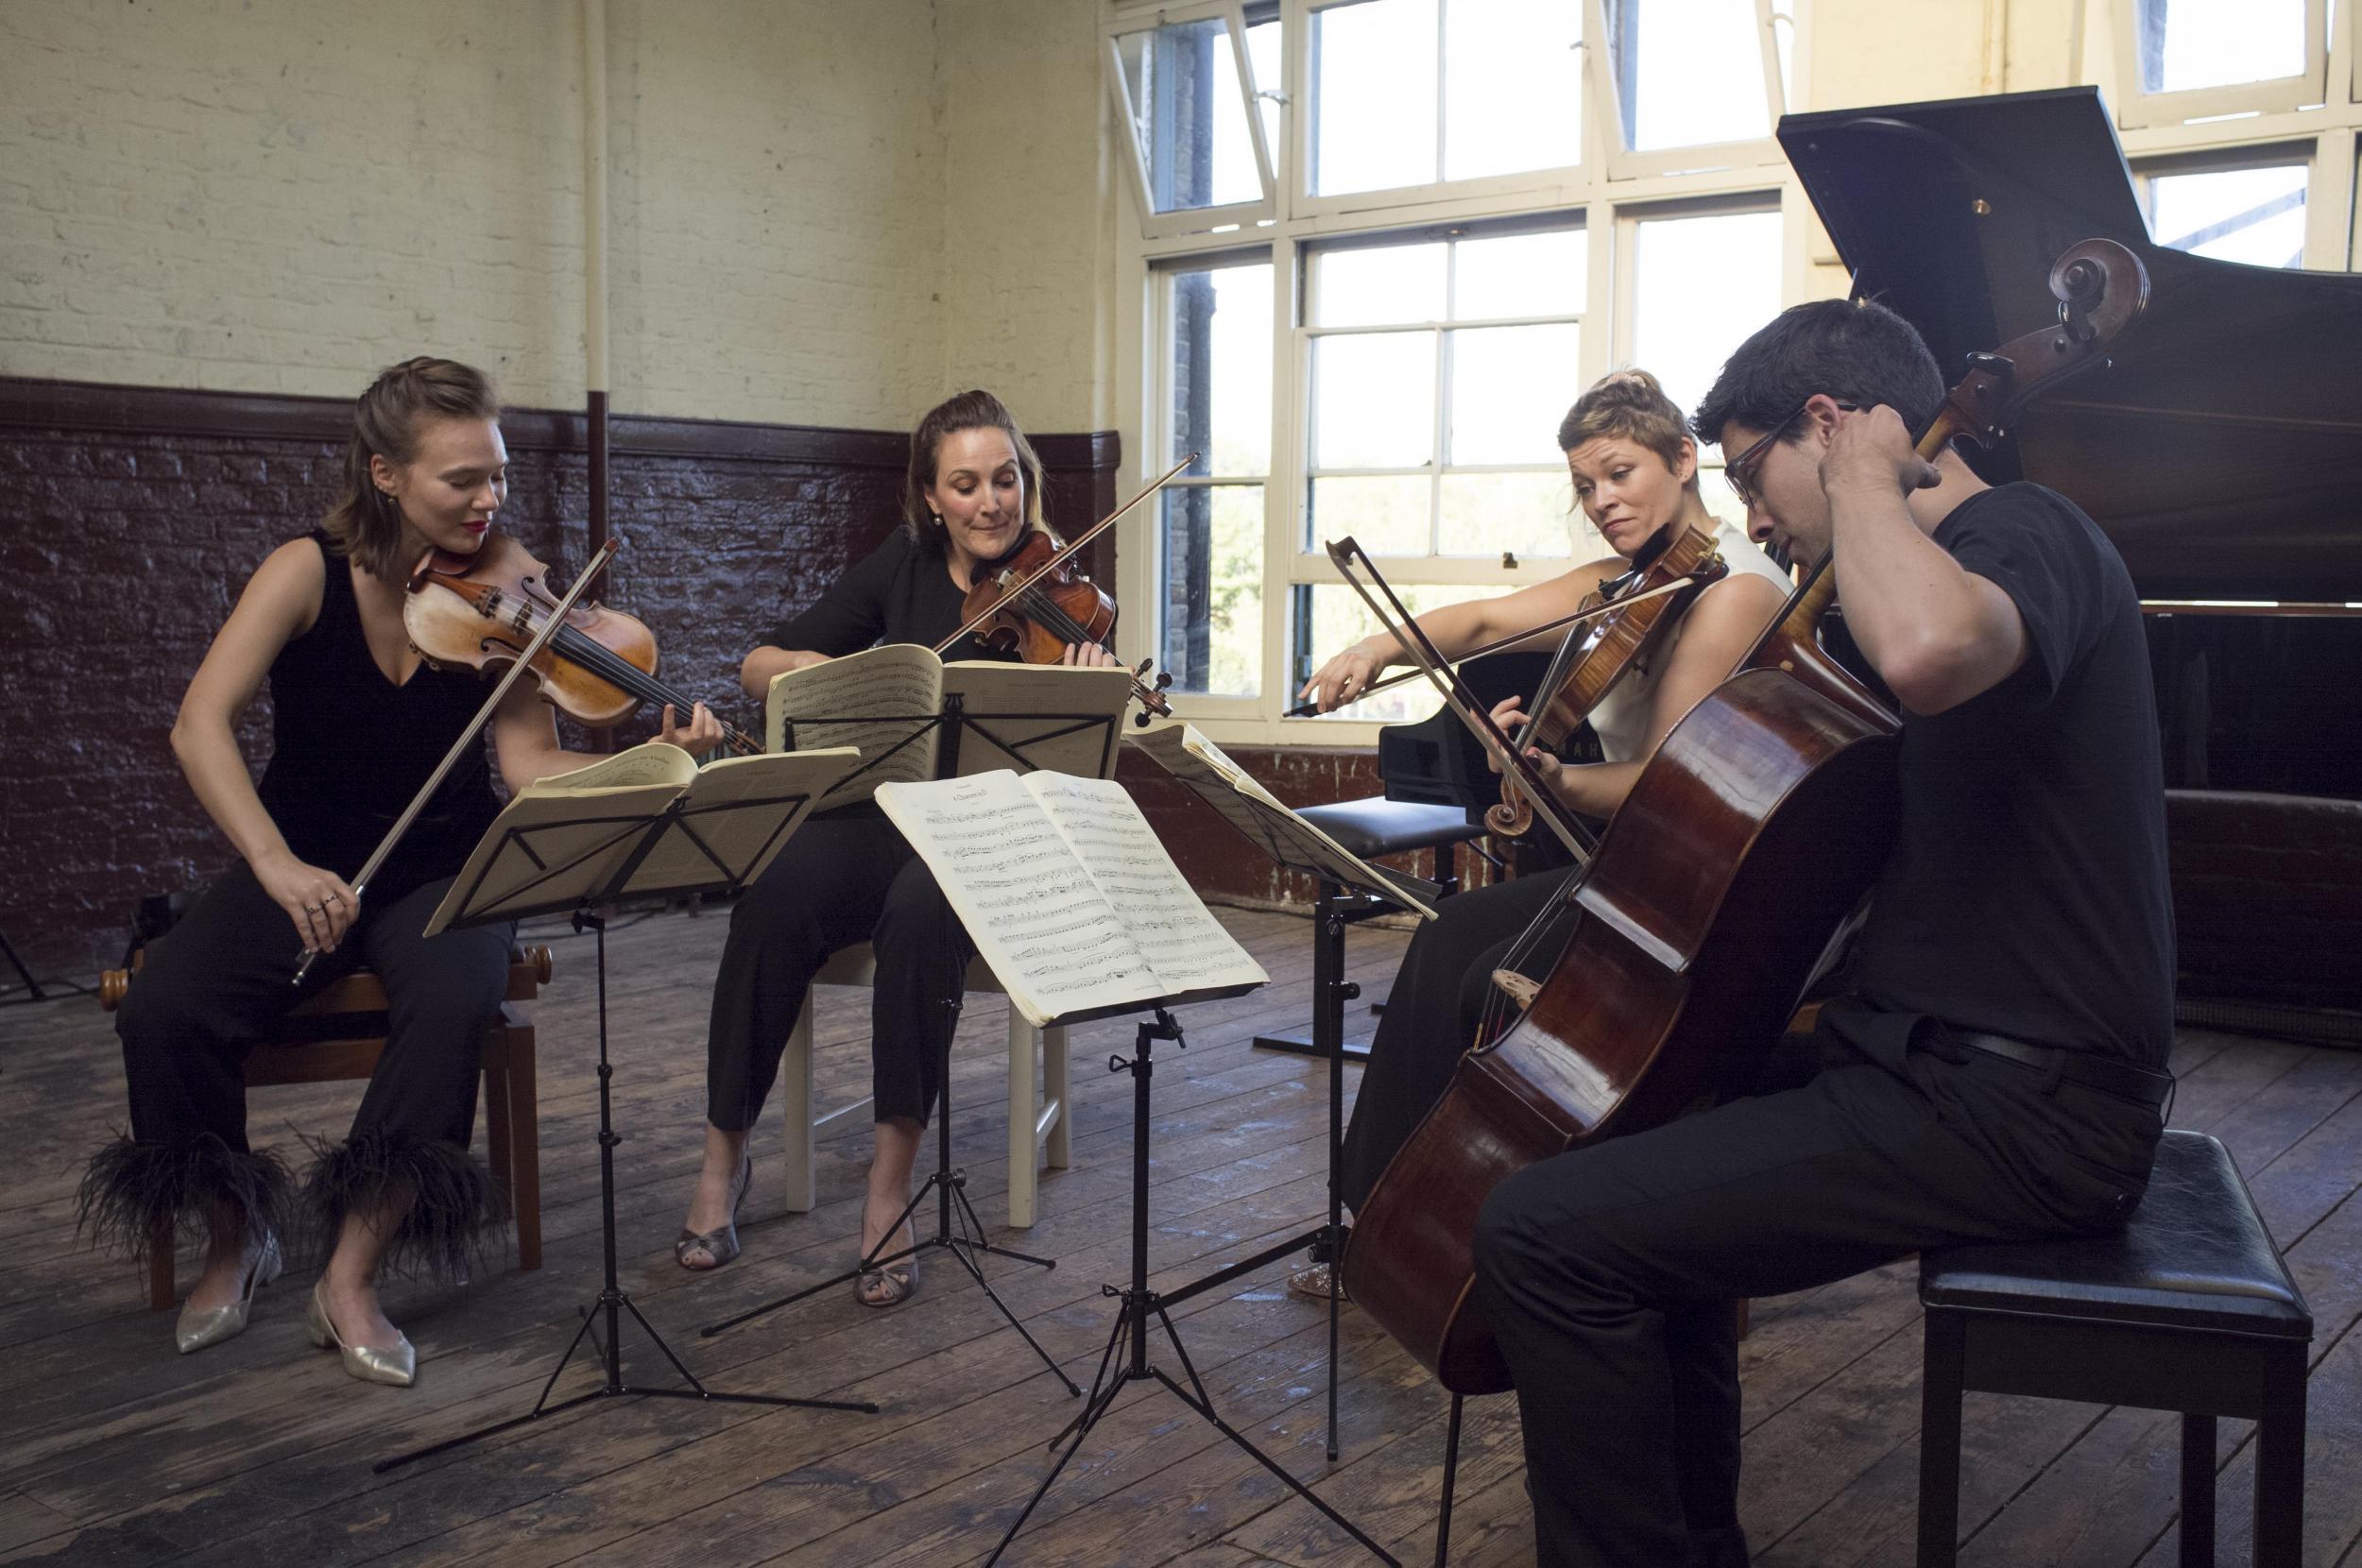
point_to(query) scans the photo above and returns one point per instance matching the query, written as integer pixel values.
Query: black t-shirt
(902, 592)
(2026, 894)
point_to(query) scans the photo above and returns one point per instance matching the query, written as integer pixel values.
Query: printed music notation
(1066, 891)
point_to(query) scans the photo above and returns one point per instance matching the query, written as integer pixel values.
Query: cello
(1744, 844)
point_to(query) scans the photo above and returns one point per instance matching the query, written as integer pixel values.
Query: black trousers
(841, 880)
(1606, 1271)
(1431, 1017)
(206, 991)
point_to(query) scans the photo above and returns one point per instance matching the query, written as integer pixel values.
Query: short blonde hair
(1629, 405)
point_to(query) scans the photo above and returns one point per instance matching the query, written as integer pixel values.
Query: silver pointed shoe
(201, 1327)
(395, 1366)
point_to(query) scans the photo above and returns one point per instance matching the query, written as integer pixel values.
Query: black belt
(2078, 1066)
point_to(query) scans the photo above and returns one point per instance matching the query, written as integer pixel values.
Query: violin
(479, 611)
(1034, 603)
(1591, 660)
(1747, 838)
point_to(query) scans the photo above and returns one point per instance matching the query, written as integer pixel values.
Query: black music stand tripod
(1126, 1359)
(613, 1301)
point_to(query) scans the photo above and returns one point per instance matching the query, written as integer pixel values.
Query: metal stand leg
(612, 1302)
(1126, 1359)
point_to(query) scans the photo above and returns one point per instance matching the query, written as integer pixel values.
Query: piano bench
(1370, 829)
(2188, 1308)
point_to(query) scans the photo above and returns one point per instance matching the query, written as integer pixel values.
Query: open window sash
(2139, 106)
(1607, 83)
(1143, 106)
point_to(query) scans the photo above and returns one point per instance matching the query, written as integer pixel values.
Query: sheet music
(743, 809)
(550, 849)
(1051, 936)
(1186, 948)
(649, 762)
(879, 685)
(1261, 817)
(1071, 715)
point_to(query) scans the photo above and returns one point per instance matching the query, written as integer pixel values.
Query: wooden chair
(337, 1034)
(1040, 1119)
(2188, 1308)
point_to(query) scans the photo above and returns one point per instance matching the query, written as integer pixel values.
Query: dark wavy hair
(972, 409)
(366, 522)
(1862, 353)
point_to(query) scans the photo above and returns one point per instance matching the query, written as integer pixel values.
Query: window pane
(1386, 514)
(2252, 215)
(1532, 515)
(1510, 386)
(1182, 85)
(1269, 66)
(1520, 275)
(1380, 285)
(1211, 602)
(1219, 363)
(1327, 617)
(1690, 71)
(1513, 86)
(1701, 286)
(1373, 400)
(1374, 95)
(2188, 44)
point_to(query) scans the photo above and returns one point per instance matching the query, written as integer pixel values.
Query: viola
(1594, 657)
(1034, 602)
(479, 611)
(1747, 838)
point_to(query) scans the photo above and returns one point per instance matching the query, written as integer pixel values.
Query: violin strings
(626, 676)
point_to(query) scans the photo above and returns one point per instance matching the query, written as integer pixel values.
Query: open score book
(1066, 894)
(886, 700)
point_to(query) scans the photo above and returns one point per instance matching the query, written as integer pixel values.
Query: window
(2253, 213)
(2195, 59)
(1445, 265)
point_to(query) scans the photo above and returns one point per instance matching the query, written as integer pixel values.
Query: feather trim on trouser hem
(453, 1205)
(130, 1188)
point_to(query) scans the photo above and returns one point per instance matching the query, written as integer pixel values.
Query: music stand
(548, 855)
(1090, 734)
(1351, 890)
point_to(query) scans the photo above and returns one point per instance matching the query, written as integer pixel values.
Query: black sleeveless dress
(350, 749)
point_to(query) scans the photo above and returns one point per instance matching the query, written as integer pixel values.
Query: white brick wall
(825, 212)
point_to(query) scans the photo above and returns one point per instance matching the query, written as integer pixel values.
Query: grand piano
(2221, 451)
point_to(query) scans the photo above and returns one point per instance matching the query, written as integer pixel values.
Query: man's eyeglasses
(1741, 470)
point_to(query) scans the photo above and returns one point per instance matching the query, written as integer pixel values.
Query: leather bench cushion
(1375, 826)
(2194, 1255)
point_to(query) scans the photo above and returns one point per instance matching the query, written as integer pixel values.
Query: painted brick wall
(133, 518)
(283, 196)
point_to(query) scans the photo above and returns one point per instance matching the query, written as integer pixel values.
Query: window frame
(1625, 161)
(2137, 109)
(1187, 220)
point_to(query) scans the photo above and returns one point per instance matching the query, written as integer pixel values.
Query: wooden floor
(116, 1451)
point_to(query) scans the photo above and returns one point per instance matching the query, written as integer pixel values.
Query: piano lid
(2222, 452)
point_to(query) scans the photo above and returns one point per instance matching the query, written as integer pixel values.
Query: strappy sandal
(898, 1281)
(720, 1244)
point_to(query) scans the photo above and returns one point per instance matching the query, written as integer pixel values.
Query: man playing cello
(1998, 1072)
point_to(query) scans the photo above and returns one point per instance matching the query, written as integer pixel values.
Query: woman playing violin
(1636, 477)
(358, 725)
(971, 495)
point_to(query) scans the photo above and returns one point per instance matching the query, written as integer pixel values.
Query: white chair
(1039, 1123)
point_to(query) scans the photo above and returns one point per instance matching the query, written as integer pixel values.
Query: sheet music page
(1051, 936)
(1260, 817)
(649, 762)
(1064, 736)
(861, 701)
(580, 839)
(744, 809)
(1186, 946)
